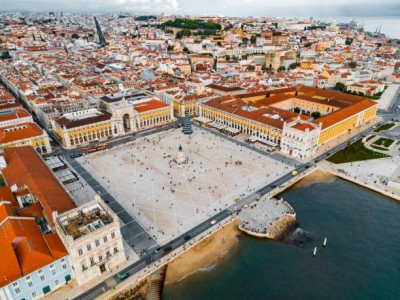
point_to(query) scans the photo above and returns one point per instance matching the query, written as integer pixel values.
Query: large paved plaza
(168, 199)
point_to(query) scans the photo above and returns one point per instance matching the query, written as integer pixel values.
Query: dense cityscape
(131, 140)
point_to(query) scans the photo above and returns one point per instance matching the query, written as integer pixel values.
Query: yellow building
(284, 116)
(83, 127)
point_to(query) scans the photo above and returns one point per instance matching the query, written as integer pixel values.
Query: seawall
(363, 183)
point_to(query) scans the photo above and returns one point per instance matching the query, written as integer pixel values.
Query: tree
(219, 44)
(340, 87)
(251, 68)
(185, 49)
(316, 114)
(348, 41)
(245, 40)
(170, 48)
(296, 110)
(253, 39)
(227, 57)
(293, 66)
(183, 32)
(75, 36)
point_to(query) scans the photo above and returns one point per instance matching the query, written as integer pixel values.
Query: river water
(361, 260)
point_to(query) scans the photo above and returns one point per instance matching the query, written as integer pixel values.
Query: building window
(105, 239)
(30, 283)
(64, 266)
(100, 257)
(108, 253)
(56, 282)
(53, 272)
(113, 235)
(80, 252)
(42, 277)
(92, 261)
(52, 266)
(89, 247)
(40, 271)
(33, 294)
(115, 250)
(97, 242)
(62, 259)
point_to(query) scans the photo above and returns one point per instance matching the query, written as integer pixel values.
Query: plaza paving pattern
(168, 200)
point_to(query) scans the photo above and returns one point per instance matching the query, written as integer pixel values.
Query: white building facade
(91, 233)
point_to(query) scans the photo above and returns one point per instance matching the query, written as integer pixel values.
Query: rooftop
(83, 221)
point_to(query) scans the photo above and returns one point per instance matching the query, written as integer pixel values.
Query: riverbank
(136, 291)
(205, 254)
(317, 176)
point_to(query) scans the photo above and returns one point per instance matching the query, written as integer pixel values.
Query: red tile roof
(24, 246)
(9, 134)
(25, 167)
(149, 105)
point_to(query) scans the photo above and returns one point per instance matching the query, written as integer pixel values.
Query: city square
(169, 198)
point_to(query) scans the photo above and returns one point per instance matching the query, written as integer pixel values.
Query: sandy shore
(205, 254)
(138, 290)
(317, 176)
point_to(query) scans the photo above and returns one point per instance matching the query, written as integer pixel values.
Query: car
(307, 166)
(167, 249)
(107, 201)
(157, 250)
(149, 260)
(245, 206)
(124, 276)
(188, 237)
(213, 222)
(273, 186)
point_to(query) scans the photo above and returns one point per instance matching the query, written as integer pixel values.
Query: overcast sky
(218, 7)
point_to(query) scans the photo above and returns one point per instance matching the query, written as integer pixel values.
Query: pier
(267, 218)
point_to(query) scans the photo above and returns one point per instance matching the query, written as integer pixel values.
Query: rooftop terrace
(84, 221)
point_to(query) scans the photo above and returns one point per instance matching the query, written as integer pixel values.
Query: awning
(203, 120)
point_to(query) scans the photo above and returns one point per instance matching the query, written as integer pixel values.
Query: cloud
(225, 7)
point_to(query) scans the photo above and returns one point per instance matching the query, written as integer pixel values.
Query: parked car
(167, 249)
(188, 237)
(213, 222)
(124, 276)
(157, 250)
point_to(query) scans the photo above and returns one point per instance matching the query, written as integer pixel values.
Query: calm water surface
(361, 260)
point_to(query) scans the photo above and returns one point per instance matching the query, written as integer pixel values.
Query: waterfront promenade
(259, 218)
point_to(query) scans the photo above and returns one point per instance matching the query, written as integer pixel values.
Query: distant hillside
(192, 24)
(145, 18)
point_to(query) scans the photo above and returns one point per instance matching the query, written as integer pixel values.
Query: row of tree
(192, 24)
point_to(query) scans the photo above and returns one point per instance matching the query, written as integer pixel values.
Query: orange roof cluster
(24, 246)
(25, 167)
(346, 104)
(253, 111)
(18, 132)
(16, 114)
(344, 113)
(149, 105)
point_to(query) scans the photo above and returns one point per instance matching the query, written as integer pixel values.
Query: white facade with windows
(39, 282)
(300, 140)
(91, 233)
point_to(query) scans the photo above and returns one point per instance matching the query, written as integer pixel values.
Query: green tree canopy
(340, 86)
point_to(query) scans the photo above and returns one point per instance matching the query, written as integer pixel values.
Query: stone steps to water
(157, 284)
